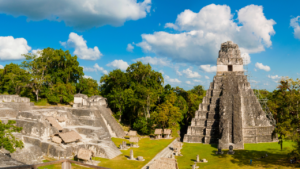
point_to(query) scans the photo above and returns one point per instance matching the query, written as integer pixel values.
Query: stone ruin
(61, 132)
(164, 163)
(230, 113)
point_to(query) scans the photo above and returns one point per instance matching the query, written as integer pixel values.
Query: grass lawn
(148, 149)
(241, 159)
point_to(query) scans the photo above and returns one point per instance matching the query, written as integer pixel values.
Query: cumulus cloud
(208, 68)
(246, 58)
(188, 82)
(118, 64)
(295, 24)
(274, 77)
(87, 77)
(154, 61)
(95, 68)
(178, 72)
(206, 77)
(81, 14)
(81, 50)
(37, 52)
(12, 48)
(263, 67)
(129, 48)
(200, 34)
(169, 80)
(190, 74)
(1, 67)
(199, 81)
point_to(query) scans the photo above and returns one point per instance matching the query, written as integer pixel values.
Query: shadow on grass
(259, 158)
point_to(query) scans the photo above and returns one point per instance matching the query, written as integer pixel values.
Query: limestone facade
(60, 132)
(81, 100)
(230, 113)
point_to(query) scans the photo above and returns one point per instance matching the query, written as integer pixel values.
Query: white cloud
(12, 48)
(199, 81)
(169, 80)
(87, 77)
(190, 74)
(81, 49)
(246, 58)
(178, 72)
(154, 61)
(37, 52)
(129, 48)
(263, 67)
(95, 68)
(1, 67)
(295, 24)
(206, 77)
(255, 69)
(118, 64)
(188, 82)
(81, 14)
(101, 69)
(161, 71)
(274, 77)
(201, 34)
(208, 68)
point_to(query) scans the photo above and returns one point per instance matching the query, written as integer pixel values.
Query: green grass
(241, 159)
(148, 149)
(41, 102)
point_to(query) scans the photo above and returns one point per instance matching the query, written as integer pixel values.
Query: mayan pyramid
(230, 113)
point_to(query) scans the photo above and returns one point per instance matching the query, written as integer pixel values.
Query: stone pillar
(131, 155)
(194, 166)
(198, 158)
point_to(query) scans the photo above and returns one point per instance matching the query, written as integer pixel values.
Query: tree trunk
(120, 115)
(37, 95)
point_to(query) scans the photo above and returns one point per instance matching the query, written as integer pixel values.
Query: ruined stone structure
(60, 131)
(230, 113)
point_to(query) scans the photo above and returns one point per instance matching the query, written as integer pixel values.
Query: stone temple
(60, 132)
(230, 113)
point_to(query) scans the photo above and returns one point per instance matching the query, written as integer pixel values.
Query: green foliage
(7, 140)
(88, 86)
(139, 99)
(54, 73)
(283, 103)
(143, 125)
(13, 79)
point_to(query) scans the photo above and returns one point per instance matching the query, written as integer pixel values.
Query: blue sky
(181, 39)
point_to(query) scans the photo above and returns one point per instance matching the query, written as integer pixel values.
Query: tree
(88, 86)
(13, 79)
(168, 115)
(37, 67)
(284, 106)
(52, 68)
(61, 93)
(7, 140)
